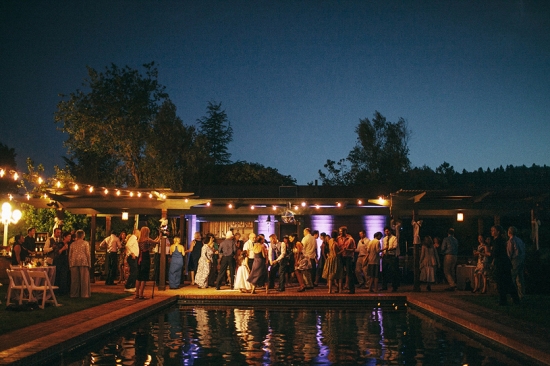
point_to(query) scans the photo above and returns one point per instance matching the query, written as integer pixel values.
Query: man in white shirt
(113, 245)
(373, 262)
(249, 246)
(361, 263)
(390, 260)
(310, 251)
(132, 253)
(278, 262)
(51, 244)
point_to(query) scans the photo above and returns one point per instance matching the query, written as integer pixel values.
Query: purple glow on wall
(266, 225)
(192, 228)
(373, 224)
(323, 223)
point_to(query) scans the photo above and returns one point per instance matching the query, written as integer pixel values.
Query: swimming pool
(278, 335)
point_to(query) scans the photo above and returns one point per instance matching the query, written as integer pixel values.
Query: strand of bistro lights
(139, 194)
(74, 186)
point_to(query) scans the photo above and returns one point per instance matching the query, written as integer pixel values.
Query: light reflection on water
(207, 335)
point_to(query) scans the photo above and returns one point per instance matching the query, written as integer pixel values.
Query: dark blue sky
(472, 78)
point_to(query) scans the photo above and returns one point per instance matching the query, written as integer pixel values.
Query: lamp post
(9, 217)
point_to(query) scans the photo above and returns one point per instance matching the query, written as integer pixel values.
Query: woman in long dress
(61, 263)
(429, 261)
(145, 245)
(241, 278)
(258, 274)
(205, 262)
(301, 264)
(480, 271)
(195, 251)
(333, 270)
(177, 251)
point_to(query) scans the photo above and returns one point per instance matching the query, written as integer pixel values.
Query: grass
(12, 320)
(533, 308)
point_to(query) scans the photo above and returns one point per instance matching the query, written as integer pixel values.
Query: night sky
(472, 78)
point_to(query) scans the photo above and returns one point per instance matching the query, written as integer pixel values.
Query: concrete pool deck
(40, 341)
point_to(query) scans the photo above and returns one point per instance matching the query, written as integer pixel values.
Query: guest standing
(80, 262)
(449, 250)
(333, 266)
(241, 278)
(483, 253)
(61, 263)
(195, 251)
(301, 264)
(515, 249)
(18, 252)
(258, 274)
(361, 263)
(373, 262)
(205, 262)
(112, 243)
(278, 260)
(145, 245)
(503, 266)
(177, 251)
(346, 243)
(227, 251)
(132, 254)
(390, 260)
(429, 261)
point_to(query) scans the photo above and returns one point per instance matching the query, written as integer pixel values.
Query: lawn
(534, 308)
(12, 320)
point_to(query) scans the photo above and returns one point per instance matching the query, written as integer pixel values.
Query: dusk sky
(471, 78)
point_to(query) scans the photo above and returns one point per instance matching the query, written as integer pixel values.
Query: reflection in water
(203, 335)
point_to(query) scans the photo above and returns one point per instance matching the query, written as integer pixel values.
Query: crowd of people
(257, 263)
(67, 251)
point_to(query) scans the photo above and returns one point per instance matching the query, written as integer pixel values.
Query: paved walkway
(58, 335)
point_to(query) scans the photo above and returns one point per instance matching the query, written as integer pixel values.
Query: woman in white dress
(243, 272)
(429, 261)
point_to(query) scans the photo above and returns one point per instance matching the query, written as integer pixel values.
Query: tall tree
(113, 117)
(380, 156)
(217, 129)
(7, 162)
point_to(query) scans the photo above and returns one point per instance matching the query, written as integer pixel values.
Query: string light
(15, 176)
(58, 184)
(2, 173)
(131, 194)
(91, 189)
(117, 192)
(40, 181)
(274, 208)
(150, 195)
(139, 194)
(106, 191)
(252, 207)
(76, 187)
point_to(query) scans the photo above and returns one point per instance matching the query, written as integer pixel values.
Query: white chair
(18, 281)
(39, 281)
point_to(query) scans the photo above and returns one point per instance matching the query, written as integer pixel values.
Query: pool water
(316, 336)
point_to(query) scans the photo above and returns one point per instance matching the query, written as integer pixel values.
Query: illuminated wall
(374, 223)
(266, 225)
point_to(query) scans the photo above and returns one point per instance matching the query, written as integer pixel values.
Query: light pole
(9, 217)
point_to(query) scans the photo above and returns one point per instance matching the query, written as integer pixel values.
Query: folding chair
(18, 281)
(39, 281)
